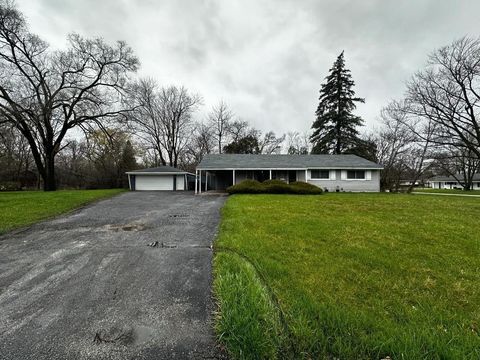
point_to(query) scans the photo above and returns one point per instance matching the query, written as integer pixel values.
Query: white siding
(339, 179)
(300, 175)
(154, 182)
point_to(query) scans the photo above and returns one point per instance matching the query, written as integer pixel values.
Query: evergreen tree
(335, 128)
(245, 145)
(127, 163)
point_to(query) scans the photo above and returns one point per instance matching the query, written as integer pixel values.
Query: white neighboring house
(449, 182)
(331, 172)
(165, 178)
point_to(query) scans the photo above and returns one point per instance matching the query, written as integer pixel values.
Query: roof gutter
(305, 168)
(157, 173)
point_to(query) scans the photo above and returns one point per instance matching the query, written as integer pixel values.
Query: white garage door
(154, 182)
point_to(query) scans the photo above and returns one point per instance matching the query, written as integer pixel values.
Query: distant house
(331, 172)
(450, 182)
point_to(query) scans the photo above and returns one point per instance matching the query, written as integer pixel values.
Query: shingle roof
(156, 170)
(476, 177)
(250, 161)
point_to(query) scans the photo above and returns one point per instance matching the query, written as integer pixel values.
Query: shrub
(279, 187)
(301, 187)
(246, 187)
(274, 182)
(10, 186)
(273, 187)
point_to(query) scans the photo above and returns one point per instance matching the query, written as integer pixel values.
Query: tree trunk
(49, 181)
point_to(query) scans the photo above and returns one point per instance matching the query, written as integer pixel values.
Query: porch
(219, 180)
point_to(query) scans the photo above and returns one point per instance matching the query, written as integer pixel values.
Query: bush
(274, 187)
(10, 186)
(274, 182)
(246, 187)
(277, 188)
(301, 187)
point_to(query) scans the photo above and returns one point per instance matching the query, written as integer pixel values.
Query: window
(355, 174)
(320, 174)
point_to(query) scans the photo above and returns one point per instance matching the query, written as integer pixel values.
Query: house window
(320, 174)
(356, 174)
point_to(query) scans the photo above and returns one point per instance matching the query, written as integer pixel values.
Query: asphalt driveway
(88, 286)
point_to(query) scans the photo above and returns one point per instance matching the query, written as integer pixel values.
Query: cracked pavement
(87, 285)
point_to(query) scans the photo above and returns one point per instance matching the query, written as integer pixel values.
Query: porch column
(270, 174)
(206, 181)
(200, 183)
(306, 173)
(233, 177)
(196, 181)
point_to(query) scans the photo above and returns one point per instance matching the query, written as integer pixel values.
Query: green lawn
(447, 191)
(21, 208)
(349, 276)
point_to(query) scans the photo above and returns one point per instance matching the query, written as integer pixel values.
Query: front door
(292, 176)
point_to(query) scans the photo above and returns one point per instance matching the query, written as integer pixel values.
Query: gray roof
(476, 177)
(250, 161)
(158, 170)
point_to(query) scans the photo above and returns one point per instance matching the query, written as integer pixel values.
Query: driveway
(88, 286)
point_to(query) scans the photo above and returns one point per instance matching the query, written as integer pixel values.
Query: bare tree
(447, 93)
(393, 142)
(404, 146)
(220, 118)
(202, 142)
(45, 94)
(270, 144)
(239, 129)
(15, 156)
(419, 156)
(146, 121)
(298, 143)
(460, 163)
(162, 118)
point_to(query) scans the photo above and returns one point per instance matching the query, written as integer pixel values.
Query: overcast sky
(267, 58)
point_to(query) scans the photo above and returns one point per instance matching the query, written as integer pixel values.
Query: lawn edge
(24, 228)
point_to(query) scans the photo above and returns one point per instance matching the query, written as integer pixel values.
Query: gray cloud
(267, 58)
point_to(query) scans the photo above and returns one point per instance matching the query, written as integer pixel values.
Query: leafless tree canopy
(404, 153)
(447, 93)
(162, 118)
(298, 143)
(220, 121)
(46, 93)
(270, 143)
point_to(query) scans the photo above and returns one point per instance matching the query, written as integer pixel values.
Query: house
(450, 182)
(331, 172)
(160, 178)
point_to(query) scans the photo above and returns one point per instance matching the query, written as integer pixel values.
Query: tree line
(80, 117)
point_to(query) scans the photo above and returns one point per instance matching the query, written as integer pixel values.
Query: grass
(349, 276)
(447, 191)
(21, 208)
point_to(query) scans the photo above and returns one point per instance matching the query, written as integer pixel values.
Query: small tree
(335, 128)
(245, 145)
(270, 144)
(220, 119)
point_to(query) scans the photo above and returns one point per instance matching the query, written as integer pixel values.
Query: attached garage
(163, 178)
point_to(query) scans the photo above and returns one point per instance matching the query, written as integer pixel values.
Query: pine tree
(335, 128)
